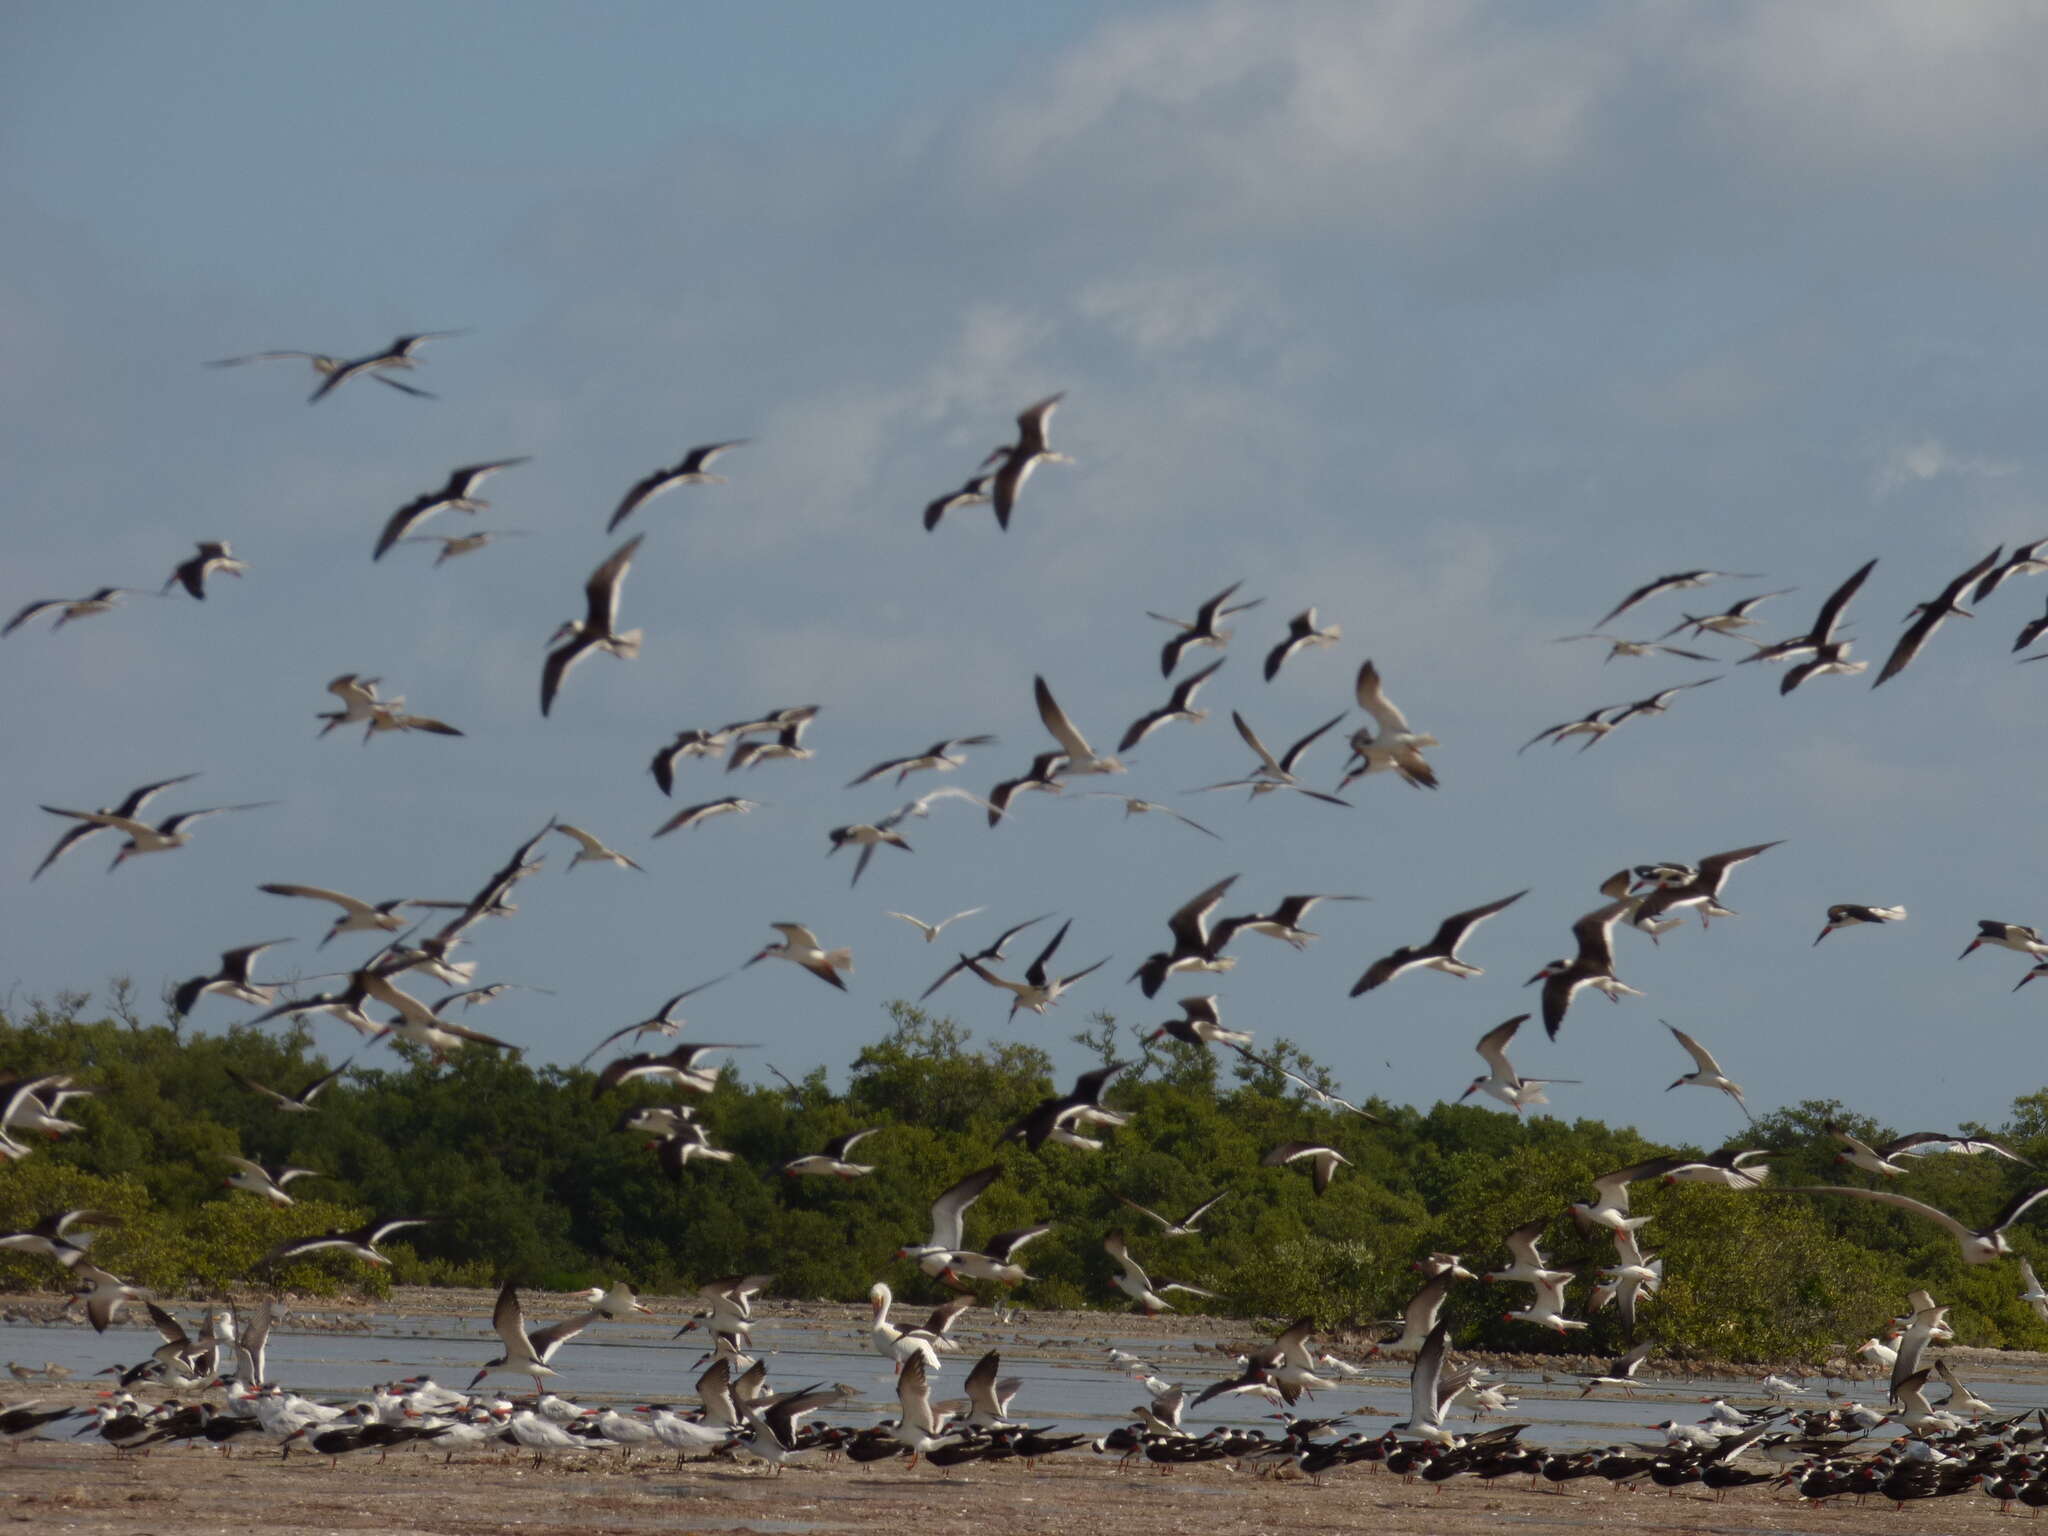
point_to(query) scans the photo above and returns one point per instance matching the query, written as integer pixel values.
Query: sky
(1455, 320)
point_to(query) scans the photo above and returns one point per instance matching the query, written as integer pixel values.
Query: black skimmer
(919, 1428)
(948, 1221)
(690, 743)
(931, 931)
(1620, 1372)
(2031, 631)
(231, 980)
(1609, 1206)
(1706, 1071)
(677, 1067)
(1043, 776)
(692, 815)
(1676, 582)
(1729, 1168)
(258, 1180)
(456, 544)
(1323, 1161)
(1546, 1308)
(300, 1103)
(1502, 1081)
(939, 757)
(1980, 1245)
(691, 471)
(995, 1262)
(1186, 1226)
(1882, 1158)
(1283, 922)
(49, 1237)
(832, 1162)
(2017, 937)
(1192, 948)
(1851, 915)
(390, 715)
(103, 1294)
(775, 1438)
(1592, 966)
(1301, 631)
(1634, 648)
(456, 495)
(357, 916)
(398, 355)
(867, 837)
(1827, 654)
(1729, 621)
(800, 946)
(360, 1242)
(590, 850)
(2025, 560)
(101, 600)
(1593, 725)
(1318, 1091)
(597, 630)
(988, 1399)
(214, 555)
(990, 952)
(143, 838)
(787, 745)
(675, 1150)
(1271, 773)
(131, 806)
(1203, 630)
(1180, 706)
(1200, 1024)
(1023, 456)
(1081, 758)
(1039, 989)
(664, 1021)
(618, 1304)
(1133, 806)
(527, 1352)
(1440, 953)
(1657, 703)
(1703, 890)
(972, 494)
(1431, 1389)
(1148, 1294)
(1052, 1119)
(1930, 617)
(323, 364)
(1527, 1266)
(1396, 747)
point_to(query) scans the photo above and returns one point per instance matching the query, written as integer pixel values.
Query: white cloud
(1928, 458)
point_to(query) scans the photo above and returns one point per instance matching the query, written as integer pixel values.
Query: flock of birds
(419, 940)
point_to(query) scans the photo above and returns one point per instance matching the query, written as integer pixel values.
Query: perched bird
(1203, 629)
(1850, 915)
(1440, 953)
(214, 555)
(690, 472)
(1301, 631)
(398, 355)
(1020, 458)
(456, 495)
(597, 629)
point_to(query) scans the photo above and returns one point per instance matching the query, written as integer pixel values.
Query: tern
(454, 545)
(591, 851)
(1203, 630)
(1081, 758)
(1851, 915)
(1271, 773)
(1186, 1226)
(690, 472)
(1323, 1160)
(258, 1180)
(1200, 1024)
(598, 629)
(1592, 966)
(1931, 616)
(694, 815)
(1440, 953)
(990, 952)
(1133, 806)
(1039, 989)
(323, 364)
(1019, 459)
(832, 1162)
(1979, 1245)
(1193, 949)
(130, 807)
(1396, 747)
(1179, 707)
(1706, 1071)
(143, 838)
(360, 1242)
(800, 946)
(398, 355)
(457, 495)
(231, 980)
(1619, 647)
(99, 601)
(1676, 582)
(214, 555)
(1703, 889)
(1301, 631)
(973, 494)
(1502, 1081)
(527, 1352)
(1147, 1293)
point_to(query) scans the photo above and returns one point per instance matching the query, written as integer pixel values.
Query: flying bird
(1706, 1071)
(1193, 949)
(931, 931)
(130, 807)
(1203, 629)
(453, 545)
(100, 601)
(664, 1021)
(1440, 953)
(214, 555)
(1618, 647)
(1180, 706)
(973, 494)
(1592, 966)
(360, 1242)
(143, 838)
(800, 946)
(1323, 1161)
(598, 629)
(1980, 1245)
(990, 952)
(231, 980)
(1039, 989)
(323, 365)
(695, 815)
(1019, 459)
(1133, 806)
(1930, 618)
(398, 355)
(690, 472)
(590, 850)
(1272, 773)
(1676, 582)
(457, 495)
(300, 1103)
(1851, 915)
(939, 757)
(1081, 758)
(1396, 747)
(1301, 631)
(1502, 1081)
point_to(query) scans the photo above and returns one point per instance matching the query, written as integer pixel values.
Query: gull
(398, 355)
(948, 1221)
(972, 494)
(1727, 622)
(1039, 989)
(1396, 747)
(990, 952)
(323, 365)
(231, 980)
(693, 815)
(143, 838)
(1301, 631)
(1707, 1072)
(931, 931)
(1678, 581)
(1179, 707)
(1850, 915)
(800, 946)
(1930, 617)
(357, 916)
(598, 629)
(690, 472)
(2025, 560)
(1200, 1024)
(1042, 776)
(360, 1242)
(1019, 459)
(1502, 1081)
(1132, 1280)
(1193, 950)
(677, 1068)
(101, 600)
(258, 1180)
(1593, 725)
(1283, 922)
(1980, 1245)
(664, 1021)
(591, 851)
(1703, 889)
(1081, 757)
(456, 495)
(453, 545)
(1273, 773)
(938, 757)
(1185, 1227)
(527, 1353)
(1619, 647)
(300, 1103)
(833, 1160)
(130, 806)
(1592, 966)
(691, 743)
(214, 555)
(2014, 936)
(1133, 806)
(1203, 630)
(1440, 953)
(1323, 1160)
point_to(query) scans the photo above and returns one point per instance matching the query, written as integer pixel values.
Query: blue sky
(1457, 321)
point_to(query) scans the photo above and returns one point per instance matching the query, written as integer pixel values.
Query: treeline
(529, 1179)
